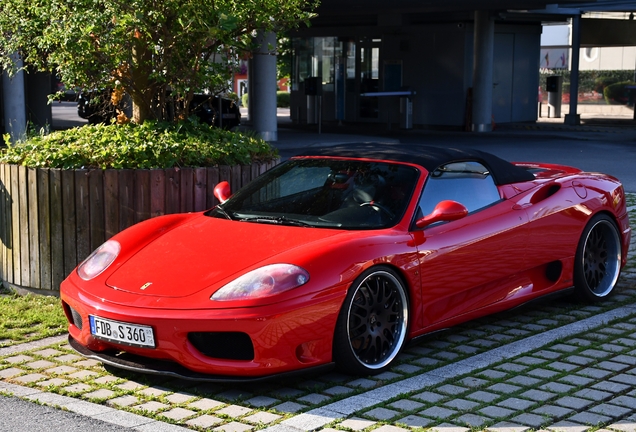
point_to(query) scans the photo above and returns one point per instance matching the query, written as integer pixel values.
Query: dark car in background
(95, 106)
(61, 91)
(214, 110)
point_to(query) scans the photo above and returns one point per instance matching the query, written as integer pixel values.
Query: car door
(473, 262)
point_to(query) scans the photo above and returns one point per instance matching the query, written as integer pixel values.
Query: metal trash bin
(313, 90)
(554, 87)
(406, 112)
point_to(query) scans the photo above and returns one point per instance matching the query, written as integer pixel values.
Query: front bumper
(145, 365)
(288, 336)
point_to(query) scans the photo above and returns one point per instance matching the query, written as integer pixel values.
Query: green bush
(603, 81)
(232, 96)
(618, 93)
(282, 99)
(150, 145)
(590, 80)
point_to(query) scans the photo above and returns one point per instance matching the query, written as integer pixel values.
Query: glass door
(369, 76)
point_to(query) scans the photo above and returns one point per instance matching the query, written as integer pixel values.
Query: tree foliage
(157, 51)
(284, 58)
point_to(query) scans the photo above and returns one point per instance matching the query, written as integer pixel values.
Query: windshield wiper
(280, 220)
(225, 213)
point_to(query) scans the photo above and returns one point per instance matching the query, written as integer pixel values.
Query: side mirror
(445, 211)
(222, 191)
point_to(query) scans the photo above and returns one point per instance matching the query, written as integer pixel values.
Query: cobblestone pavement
(555, 366)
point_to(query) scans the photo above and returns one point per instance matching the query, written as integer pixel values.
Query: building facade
(433, 61)
(413, 63)
(361, 61)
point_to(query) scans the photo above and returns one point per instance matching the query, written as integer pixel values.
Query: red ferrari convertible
(342, 256)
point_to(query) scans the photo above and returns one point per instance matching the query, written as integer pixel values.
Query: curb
(89, 409)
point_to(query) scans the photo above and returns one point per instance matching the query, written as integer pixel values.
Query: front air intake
(223, 345)
(75, 316)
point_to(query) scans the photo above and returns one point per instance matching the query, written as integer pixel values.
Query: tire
(372, 324)
(598, 260)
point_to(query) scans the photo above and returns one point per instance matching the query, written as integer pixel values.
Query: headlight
(263, 282)
(99, 260)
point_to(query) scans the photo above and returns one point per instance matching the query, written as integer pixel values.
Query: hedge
(618, 93)
(282, 99)
(590, 80)
(131, 146)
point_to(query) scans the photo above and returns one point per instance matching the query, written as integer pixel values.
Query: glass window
(351, 59)
(331, 51)
(302, 60)
(328, 193)
(316, 57)
(297, 181)
(468, 183)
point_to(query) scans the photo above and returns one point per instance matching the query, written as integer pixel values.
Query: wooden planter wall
(51, 219)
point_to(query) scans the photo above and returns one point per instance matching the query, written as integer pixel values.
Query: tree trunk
(142, 94)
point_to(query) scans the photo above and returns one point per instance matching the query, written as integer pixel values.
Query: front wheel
(372, 323)
(598, 259)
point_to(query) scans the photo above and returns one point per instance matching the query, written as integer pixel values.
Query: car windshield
(327, 193)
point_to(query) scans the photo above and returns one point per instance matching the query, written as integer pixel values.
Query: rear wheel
(372, 324)
(598, 259)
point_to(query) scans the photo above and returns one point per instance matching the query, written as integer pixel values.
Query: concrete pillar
(573, 118)
(262, 83)
(14, 99)
(484, 40)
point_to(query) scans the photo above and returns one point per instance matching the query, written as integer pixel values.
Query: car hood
(204, 252)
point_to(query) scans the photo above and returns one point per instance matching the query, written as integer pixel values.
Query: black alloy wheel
(598, 259)
(373, 322)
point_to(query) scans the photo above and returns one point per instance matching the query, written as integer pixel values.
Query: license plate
(121, 332)
(229, 116)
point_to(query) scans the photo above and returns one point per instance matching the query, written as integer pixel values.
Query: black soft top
(503, 172)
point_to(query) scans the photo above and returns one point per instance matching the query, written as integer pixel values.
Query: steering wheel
(378, 207)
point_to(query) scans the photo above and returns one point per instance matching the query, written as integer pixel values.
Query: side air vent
(553, 271)
(546, 191)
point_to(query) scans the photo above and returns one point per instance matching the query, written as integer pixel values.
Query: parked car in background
(62, 92)
(95, 106)
(219, 111)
